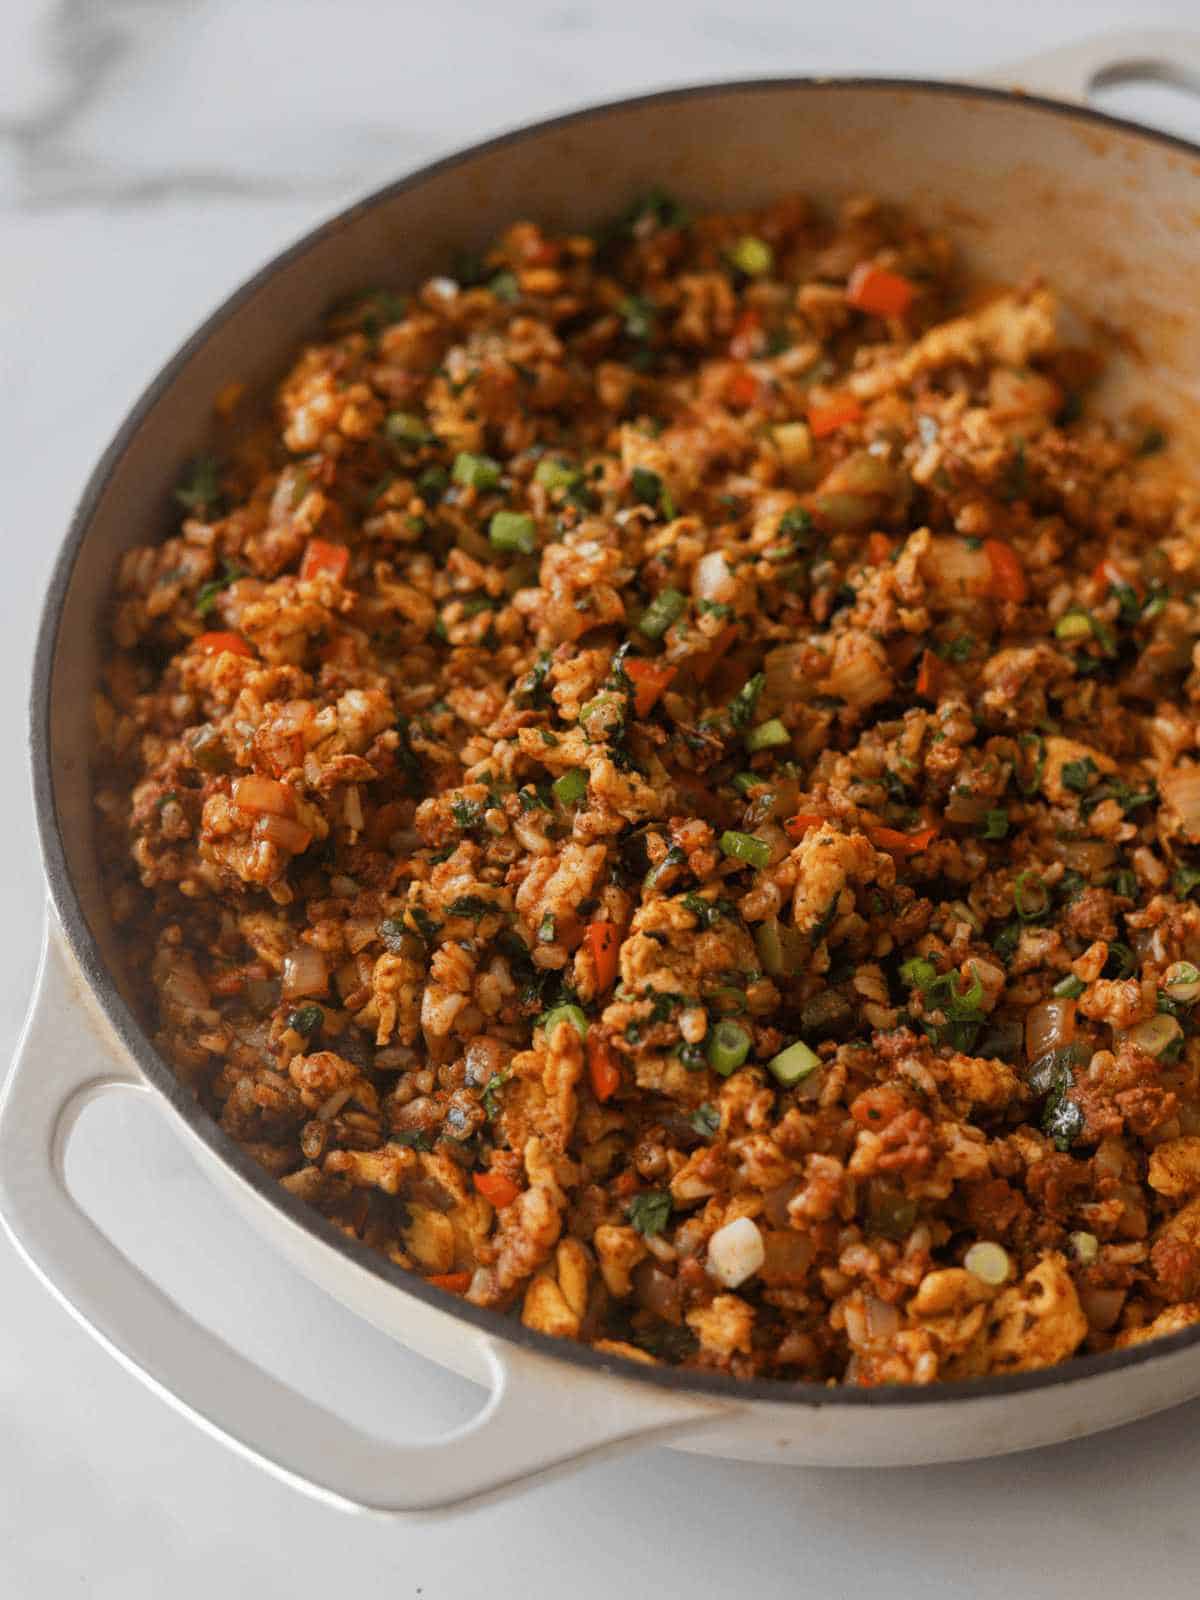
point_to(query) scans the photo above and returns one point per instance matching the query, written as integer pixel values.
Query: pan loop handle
(1073, 71)
(541, 1415)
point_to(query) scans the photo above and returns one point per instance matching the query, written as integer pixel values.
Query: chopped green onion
(666, 607)
(603, 717)
(1185, 880)
(1073, 624)
(752, 256)
(551, 474)
(767, 735)
(793, 1065)
(306, 1019)
(1182, 982)
(769, 944)
(746, 782)
(431, 485)
(475, 472)
(1125, 884)
(1032, 783)
(741, 707)
(995, 825)
(572, 1014)
(1069, 988)
(706, 1119)
(547, 929)
(504, 286)
(745, 847)
(728, 1047)
(1030, 904)
(513, 530)
(402, 427)
(918, 973)
(571, 787)
(647, 486)
(988, 1262)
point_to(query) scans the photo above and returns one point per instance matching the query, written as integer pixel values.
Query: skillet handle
(542, 1414)
(1071, 72)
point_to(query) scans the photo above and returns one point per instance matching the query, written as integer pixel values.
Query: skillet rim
(85, 949)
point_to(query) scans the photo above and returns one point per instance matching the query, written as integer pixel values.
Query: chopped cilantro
(705, 911)
(200, 489)
(706, 1119)
(473, 906)
(206, 596)
(532, 691)
(491, 1105)
(648, 1212)
(1077, 775)
(957, 649)
(306, 1020)
(995, 825)
(412, 1139)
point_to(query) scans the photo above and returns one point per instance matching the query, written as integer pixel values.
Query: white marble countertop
(152, 152)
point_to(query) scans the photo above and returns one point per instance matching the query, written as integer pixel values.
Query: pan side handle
(1072, 71)
(542, 1414)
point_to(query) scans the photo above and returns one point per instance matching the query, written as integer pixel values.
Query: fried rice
(656, 786)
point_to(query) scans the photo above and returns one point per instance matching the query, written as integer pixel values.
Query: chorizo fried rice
(659, 790)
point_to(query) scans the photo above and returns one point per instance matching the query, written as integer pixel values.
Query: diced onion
(1086, 1247)
(988, 1262)
(735, 1252)
(1049, 1025)
(284, 831)
(775, 1202)
(1182, 982)
(656, 1290)
(883, 1319)
(787, 1256)
(787, 677)
(328, 1109)
(264, 795)
(1101, 1307)
(1155, 1035)
(860, 674)
(794, 443)
(712, 579)
(304, 972)
(1091, 857)
(183, 987)
(959, 569)
(1180, 791)
(863, 473)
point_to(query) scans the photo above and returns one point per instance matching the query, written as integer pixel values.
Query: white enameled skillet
(1109, 212)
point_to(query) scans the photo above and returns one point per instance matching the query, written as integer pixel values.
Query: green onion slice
(728, 1047)
(793, 1065)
